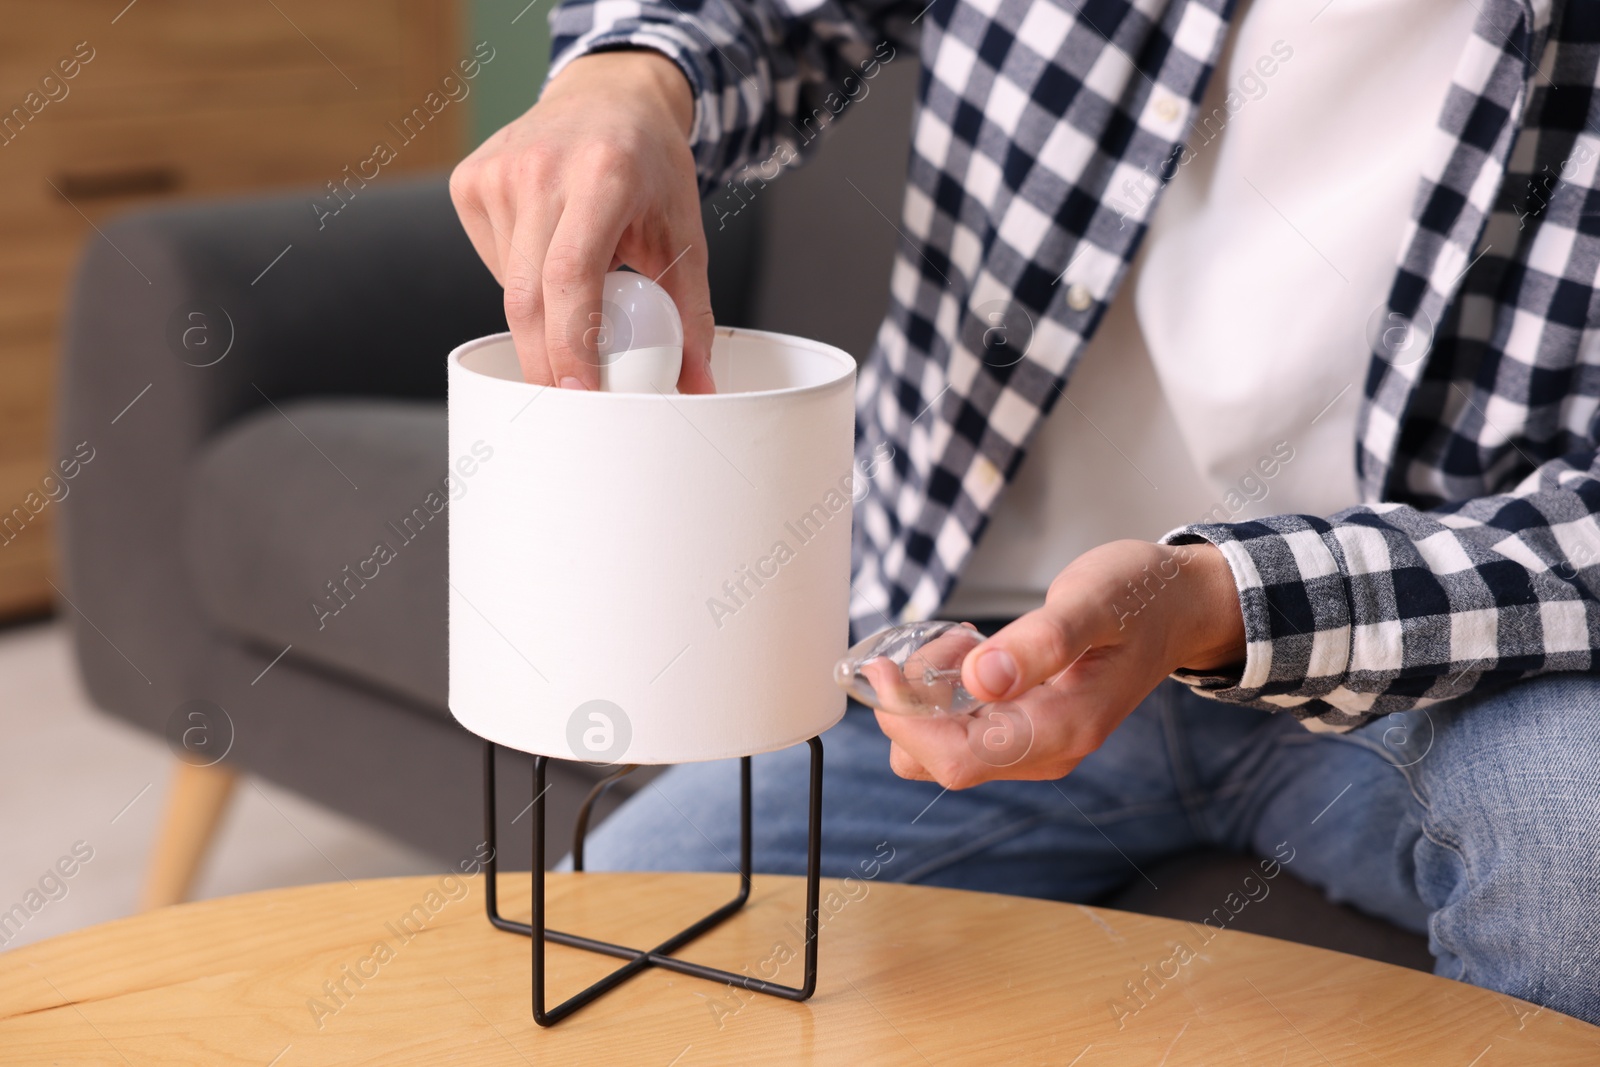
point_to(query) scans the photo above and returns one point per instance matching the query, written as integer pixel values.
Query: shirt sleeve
(1387, 607)
(767, 75)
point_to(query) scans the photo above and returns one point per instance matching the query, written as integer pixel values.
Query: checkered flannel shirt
(1475, 559)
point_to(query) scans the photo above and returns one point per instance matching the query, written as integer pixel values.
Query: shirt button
(1079, 298)
(1166, 109)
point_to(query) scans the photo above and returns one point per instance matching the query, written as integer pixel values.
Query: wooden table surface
(908, 975)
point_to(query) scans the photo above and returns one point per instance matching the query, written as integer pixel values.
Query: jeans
(1476, 822)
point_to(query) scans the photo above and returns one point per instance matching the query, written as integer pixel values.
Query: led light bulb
(640, 339)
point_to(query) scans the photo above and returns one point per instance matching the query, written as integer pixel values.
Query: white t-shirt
(1224, 381)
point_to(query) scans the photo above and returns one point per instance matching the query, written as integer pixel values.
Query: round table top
(408, 971)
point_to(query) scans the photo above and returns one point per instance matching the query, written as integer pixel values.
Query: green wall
(509, 85)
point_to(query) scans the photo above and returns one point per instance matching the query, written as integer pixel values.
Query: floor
(74, 782)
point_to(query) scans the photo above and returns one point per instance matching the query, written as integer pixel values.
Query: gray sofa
(273, 439)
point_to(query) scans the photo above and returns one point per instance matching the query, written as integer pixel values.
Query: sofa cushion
(320, 525)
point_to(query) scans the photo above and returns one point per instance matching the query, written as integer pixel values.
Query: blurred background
(223, 321)
(184, 98)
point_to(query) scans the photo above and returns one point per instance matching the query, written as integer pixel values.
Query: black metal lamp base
(640, 960)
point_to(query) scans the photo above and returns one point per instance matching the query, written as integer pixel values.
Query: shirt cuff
(1297, 619)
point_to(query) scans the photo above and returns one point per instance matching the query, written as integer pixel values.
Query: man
(1356, 342)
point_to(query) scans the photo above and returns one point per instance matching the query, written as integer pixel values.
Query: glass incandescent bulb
(912, 669)
(639, 341)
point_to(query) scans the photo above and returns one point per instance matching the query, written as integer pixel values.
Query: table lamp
(650, 578)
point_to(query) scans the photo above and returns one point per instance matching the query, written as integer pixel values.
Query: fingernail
(997, 671)
(570, 382)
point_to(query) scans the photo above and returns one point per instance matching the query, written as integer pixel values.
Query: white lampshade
(638, 578)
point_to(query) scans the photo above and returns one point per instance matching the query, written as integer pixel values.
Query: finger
(948, 649)
(938, 746)
(934, 670)
(522, 252)
(465, 195)
(889, 685)
(683, 275)
(1034, 648)
(903, 765)
(575, 262)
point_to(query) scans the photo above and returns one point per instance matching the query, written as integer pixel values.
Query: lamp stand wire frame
(640, 960)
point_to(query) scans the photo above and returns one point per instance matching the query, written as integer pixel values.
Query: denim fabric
(1477, 821)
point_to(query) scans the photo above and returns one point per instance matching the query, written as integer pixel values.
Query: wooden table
(909, 975)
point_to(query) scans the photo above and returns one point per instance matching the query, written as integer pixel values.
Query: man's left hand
(1060, 679)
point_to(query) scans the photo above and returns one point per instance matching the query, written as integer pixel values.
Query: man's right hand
(596, 174)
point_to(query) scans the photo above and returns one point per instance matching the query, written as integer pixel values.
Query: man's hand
(598, 173)
(1062, 678)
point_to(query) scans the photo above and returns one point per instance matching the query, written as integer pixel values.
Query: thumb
(685, 280)
(1031, 650)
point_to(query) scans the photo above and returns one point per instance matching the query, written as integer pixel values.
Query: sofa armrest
(368, 303)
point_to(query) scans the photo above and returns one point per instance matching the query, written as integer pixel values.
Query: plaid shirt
(1475, 559)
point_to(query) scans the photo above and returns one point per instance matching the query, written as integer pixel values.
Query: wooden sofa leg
(195, 802)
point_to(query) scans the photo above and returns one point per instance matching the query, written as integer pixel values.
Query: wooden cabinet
(166, 99)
